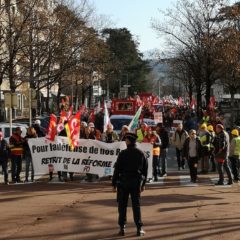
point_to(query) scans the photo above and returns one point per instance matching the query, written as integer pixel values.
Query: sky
(135, 15)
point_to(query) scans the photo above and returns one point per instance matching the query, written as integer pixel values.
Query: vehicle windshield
(118, 123)
(7, 132)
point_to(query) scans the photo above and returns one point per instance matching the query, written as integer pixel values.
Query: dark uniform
(129, 177)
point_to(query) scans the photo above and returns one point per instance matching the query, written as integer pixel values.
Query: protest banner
(89, 156)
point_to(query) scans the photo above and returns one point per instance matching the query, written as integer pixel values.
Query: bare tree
(191, 29)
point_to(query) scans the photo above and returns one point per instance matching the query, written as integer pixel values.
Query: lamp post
(159, 88)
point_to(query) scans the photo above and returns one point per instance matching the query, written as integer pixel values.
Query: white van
(5, 128)
(119, 120)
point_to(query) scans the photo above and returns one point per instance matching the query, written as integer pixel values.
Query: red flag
(211, 103)
(180, 101)
(62, 119)
(73, 130)
(52, 131)
(70, 111)
(91, 116)
(63, 102)
(193, 104)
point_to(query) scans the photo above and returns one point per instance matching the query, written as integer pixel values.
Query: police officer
(129, 177)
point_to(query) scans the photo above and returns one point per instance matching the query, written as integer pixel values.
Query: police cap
(132, 137)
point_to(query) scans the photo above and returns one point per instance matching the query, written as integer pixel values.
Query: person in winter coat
(221, 151)
(16, 149)
(164, 137)
(211, 155)
(234, 154)
(4, 152)
(156, 142)
(31, 133)
(178, 140)
(110, 136)
(129, 178)
(124, 131)
(205, 139)
(192, 153)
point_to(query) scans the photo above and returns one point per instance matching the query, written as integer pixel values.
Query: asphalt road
(172, 208)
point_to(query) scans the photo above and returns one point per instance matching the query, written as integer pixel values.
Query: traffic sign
(11, 100)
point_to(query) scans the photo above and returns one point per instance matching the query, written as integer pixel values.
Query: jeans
(205, 164)
(29, 164)
(180, 160)
(192, 163)
(4, 163)
(235, 167)
(16, 168)
(163, 160)
(155, 166)
(225, 166)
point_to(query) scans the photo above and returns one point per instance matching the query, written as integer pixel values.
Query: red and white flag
(64, 116)
(62, 119)
(52, 130)
(211, 103)
(180, 101)
(193, 104)
(73, 130)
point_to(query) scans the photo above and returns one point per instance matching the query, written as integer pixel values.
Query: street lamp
(159, 88)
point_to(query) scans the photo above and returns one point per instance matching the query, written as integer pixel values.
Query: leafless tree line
(203, 41)
(49, 42)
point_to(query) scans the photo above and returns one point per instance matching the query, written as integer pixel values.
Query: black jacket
(163, 134)
(4, 150)
(186, 148)
(131, 167)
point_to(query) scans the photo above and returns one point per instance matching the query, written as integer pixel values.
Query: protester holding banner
(16, 148)
(63, 174)
(129, 178)
(31, 133)
(154, 139)
(124, 131)
(95, 131)
(89, 134)
(141, 132)
(110, 136)
(38, 128)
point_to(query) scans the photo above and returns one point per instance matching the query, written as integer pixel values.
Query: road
(172, 208)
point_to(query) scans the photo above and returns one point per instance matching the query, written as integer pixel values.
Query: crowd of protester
(201, 142)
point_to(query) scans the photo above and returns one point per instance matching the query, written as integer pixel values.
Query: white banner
(90, 156)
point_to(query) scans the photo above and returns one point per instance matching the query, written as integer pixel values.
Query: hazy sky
(136, 16)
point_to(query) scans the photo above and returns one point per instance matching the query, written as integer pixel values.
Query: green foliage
(126, 65)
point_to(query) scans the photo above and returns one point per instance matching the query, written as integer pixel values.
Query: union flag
(73, 130)
(52, 130)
